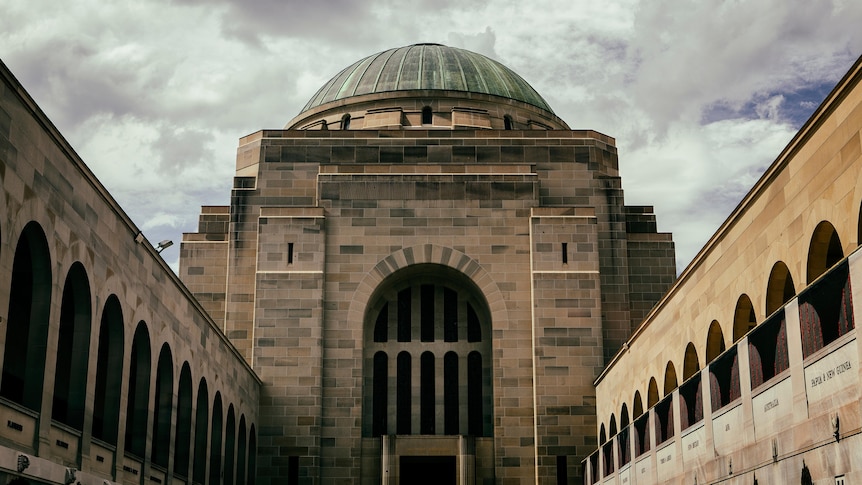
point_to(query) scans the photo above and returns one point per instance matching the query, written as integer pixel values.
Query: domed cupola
(428, 86)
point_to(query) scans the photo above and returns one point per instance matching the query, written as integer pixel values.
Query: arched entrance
(427, 390)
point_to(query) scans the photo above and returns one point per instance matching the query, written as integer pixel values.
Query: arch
(241, 451)
(252, 456)
(109, 372)
(507, 123)
(345, 122)
(415, 256)
(743, 317)
(612, 427)
(670, 382)
(603, 436)
(780, 288)
(27, 326)
(139, 392)
(637, 405)
(216, 442)
(624, 416)
(690, 364)
(824, 250)
(652, 393)
(427, 116)
(418, 305)
(163, 407)
(229, 446)
(714, 341)
(73, 349)
(183, 436)
(199, 470)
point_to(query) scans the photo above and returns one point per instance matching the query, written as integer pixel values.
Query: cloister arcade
(111, 371)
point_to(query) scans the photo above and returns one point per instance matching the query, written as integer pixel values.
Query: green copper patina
(427, 66)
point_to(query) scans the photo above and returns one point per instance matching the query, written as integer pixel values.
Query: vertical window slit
(289, 253)
(565, 253)
(427, 395)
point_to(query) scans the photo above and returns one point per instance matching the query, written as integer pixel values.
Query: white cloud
(155, 94)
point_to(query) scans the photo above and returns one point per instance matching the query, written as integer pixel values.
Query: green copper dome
(427, 66)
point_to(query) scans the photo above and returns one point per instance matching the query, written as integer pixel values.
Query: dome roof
(427, 66)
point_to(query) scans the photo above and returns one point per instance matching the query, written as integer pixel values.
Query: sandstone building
(112, 372)
(747, 371)
(427, 269)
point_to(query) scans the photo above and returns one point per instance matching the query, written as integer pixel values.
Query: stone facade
(348, 251)
(112, 372)
(757, 338)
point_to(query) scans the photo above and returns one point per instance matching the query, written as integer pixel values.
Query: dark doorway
(427, 470)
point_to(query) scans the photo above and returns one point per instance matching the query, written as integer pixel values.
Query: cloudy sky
(701, 96)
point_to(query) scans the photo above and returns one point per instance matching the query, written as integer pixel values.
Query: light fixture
(164, 245)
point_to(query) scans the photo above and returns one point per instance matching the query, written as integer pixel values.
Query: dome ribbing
(427, 67)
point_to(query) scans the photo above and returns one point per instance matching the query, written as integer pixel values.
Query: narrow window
(427, 394)
(474, 330)
(381, 327)
(427, 319)
(324, 126)
(426, 115)
(289, 253)
(404, 310)
(450, 315)
(293, 470)
(381, 394)
(562, 472)
(565, 253)
(507, 122)
(403, 401)
(474, 394)
(450, 394)
(345, 122)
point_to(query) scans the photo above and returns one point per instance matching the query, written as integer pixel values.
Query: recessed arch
(27, 325)
(670, 381)
(824, 250)
(624, 416)
(603, 435)
(714, 342)
(183, 436)
(690, 364)
(216, 441)
(637, 405)
(163, 407)
(252, 456)
(229, 446)
(109, 372)
(652, 393)
(780, 288)
(139, 392)
(413, 307)
(73, 349)
(241, 450)
(199, 470)
(612, 427)
(743, 317)
(345, 122)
